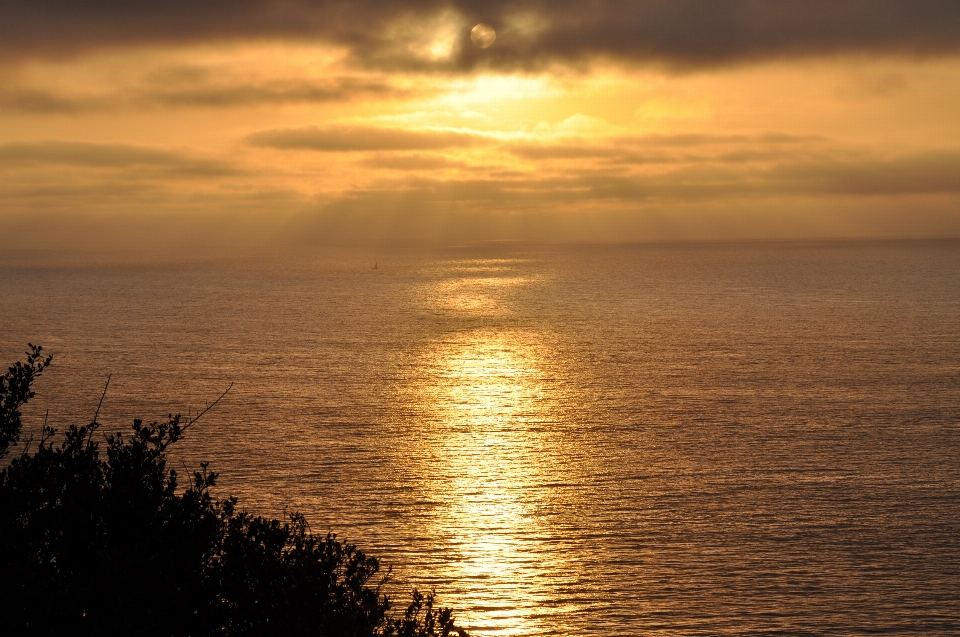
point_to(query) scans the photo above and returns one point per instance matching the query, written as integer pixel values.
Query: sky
(292, 122)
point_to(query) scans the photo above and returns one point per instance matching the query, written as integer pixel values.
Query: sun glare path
(487, 398)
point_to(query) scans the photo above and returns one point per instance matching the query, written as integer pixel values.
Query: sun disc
(483, 35)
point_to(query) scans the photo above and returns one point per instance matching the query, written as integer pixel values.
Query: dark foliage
(15, 391)
(111, 546)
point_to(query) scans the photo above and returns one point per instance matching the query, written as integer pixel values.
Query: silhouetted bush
(111, 546)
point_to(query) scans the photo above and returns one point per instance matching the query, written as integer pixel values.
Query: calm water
(682, 440)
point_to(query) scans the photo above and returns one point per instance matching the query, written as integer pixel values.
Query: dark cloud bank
(677, 32)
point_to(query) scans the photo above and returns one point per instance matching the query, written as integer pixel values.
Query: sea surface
(561, 440)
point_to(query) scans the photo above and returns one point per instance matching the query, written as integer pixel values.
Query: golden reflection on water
(485, 395)
(475, 295)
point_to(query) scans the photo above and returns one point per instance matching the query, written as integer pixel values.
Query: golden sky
(252, 122)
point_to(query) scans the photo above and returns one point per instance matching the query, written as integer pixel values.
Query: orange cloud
(347, 138)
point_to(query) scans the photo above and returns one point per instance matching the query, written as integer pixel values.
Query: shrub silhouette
(111, 546)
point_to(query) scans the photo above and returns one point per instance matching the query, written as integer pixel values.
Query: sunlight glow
(485, 89)
(433, 39)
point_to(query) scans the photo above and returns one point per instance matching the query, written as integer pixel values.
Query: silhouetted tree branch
(15, 391)
(103, 542)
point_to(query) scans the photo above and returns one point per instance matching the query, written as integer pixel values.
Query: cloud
(659, 148)
(921, 173)
(676, 32)
(413, 162)
(45, 101)
(353, 138)
(107, 156)
(276, 92)
(134, 198)
(835, 194)
(924, 174)
(702, 202)
(930, 173)
(382, 218)
(345, 138)
(166, 91)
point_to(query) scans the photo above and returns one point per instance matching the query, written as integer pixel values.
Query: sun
(483, 35)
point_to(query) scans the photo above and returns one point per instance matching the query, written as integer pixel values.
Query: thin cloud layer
(108, 156)
(932, 173)
(204, 94)
(339, 138)
(283, 92)
(428, 33)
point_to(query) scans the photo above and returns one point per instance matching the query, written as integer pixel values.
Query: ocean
(690, 439)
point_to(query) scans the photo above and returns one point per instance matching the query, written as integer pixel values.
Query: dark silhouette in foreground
(98, 545)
